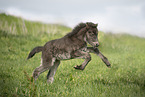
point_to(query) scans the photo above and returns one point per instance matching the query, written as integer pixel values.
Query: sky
(116, 16)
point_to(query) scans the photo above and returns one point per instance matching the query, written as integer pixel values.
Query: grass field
(126, 53)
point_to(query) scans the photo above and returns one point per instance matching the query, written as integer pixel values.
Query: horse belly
(63, 56)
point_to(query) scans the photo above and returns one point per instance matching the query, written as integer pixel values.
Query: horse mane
(76, 29)
(79, 27)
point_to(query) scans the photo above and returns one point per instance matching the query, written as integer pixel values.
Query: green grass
(19, 26)
(126, 78)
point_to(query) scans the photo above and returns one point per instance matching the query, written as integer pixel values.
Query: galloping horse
(73, 45)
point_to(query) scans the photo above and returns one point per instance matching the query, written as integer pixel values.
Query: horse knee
(88, 57)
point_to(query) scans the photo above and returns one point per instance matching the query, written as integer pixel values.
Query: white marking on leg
(41, 62)
(52, 72)
(50, 80)
(53, 60)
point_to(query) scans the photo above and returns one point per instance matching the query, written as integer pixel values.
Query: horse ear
(97, 25)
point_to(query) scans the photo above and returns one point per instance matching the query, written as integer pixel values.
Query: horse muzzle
(96, 44)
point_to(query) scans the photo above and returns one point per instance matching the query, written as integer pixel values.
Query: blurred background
(115, 16)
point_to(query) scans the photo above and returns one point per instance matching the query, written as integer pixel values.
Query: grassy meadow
(126, 53)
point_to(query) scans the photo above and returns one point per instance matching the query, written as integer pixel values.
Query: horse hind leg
(52, 71)
(45, 65)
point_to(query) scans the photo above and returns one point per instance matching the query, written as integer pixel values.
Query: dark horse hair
(79, 27)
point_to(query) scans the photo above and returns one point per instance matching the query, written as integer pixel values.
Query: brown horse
(73, 45)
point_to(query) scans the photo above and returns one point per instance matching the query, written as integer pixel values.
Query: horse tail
(34, 51)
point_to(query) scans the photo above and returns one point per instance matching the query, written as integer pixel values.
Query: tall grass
(19, 26)
(126, 53)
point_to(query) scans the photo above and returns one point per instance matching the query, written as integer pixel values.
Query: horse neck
(81, 35)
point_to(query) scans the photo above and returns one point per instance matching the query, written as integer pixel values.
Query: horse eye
(94, 31)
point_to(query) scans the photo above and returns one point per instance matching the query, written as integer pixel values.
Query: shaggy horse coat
(73, 45)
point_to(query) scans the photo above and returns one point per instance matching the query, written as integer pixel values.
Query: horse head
(92, 34)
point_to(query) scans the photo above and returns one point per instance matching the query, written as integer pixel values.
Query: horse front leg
(83, 55)
(96, 51)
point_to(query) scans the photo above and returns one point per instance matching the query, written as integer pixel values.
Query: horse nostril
(97, 44)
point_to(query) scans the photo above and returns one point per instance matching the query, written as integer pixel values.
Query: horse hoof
(109, 66)
(79, 67)
(50, 80)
